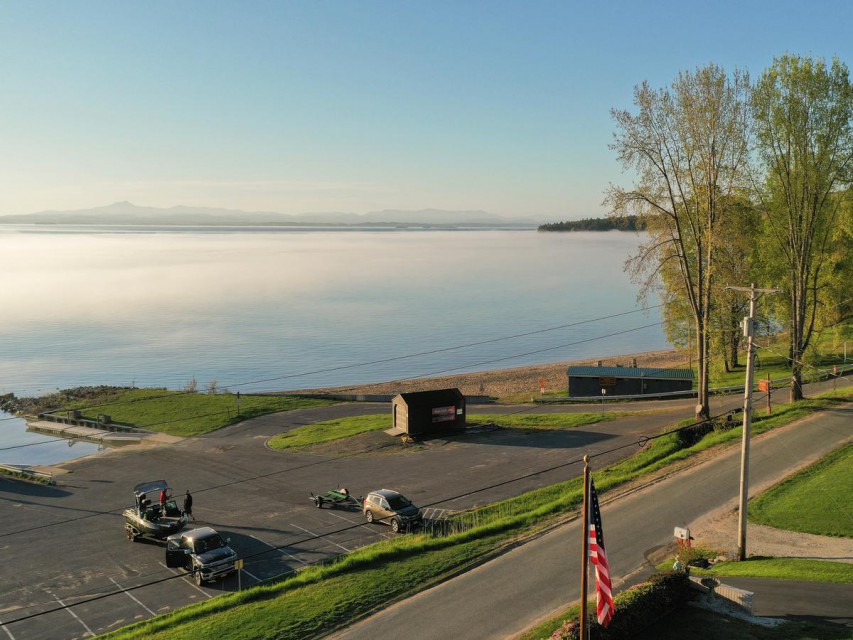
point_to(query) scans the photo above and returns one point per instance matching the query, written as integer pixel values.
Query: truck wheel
(369, 515)
(395, 525)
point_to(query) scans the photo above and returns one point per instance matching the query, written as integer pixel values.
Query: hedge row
(636, 609)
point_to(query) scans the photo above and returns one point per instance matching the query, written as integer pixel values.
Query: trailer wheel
(318, 501)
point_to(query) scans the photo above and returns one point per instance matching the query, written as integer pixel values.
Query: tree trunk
(703, 411)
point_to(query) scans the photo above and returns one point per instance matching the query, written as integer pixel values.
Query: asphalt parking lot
(65, 545)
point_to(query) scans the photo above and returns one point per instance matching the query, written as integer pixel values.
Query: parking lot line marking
(189, 582)
(133, 597)
(8, 633)
(251, 575)
(76, 617)
(280, 550)
(344, 518)
(321, 537)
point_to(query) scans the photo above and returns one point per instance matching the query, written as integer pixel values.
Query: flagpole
(585, 553)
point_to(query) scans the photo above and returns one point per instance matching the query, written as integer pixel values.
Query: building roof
(431, 398)
(631, 372)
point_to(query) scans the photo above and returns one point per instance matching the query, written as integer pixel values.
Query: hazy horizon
(335, 106)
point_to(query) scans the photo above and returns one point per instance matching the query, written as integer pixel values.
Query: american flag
(598, 557)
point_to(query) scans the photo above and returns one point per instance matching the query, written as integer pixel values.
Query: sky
(356, 106)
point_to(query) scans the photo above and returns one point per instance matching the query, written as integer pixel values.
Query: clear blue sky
(320, 105)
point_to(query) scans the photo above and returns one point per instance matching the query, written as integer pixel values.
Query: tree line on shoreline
(624, 223)
(739, 183)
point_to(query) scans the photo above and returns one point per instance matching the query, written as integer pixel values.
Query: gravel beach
(501, 383)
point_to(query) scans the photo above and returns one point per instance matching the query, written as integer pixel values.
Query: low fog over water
(160, 306)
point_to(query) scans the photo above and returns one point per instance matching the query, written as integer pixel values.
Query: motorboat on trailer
(147, 518)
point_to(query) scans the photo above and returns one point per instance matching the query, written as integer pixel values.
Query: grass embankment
(179, 413)
(322, 598)
(329, 430)
(813, 500)
(27, 477)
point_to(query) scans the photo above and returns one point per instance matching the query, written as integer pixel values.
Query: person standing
(188, 505)
(163, 502)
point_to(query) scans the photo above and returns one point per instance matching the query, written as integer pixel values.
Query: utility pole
(749, 334)
(584, 631)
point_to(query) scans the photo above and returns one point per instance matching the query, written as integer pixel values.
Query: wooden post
(585, 554)
(769, 389)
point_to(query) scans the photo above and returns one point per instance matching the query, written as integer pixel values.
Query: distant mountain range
(127, 213)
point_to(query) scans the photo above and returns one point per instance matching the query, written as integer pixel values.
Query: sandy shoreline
(506, 382)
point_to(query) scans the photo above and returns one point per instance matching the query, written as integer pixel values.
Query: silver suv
(391, 507)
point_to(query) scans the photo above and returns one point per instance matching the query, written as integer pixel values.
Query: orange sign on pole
(766, 387)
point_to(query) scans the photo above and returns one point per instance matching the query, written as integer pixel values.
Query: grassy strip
(26, 477)
(805, 569)
(321, 598)
(187, 414)
(782, 569)
(329, 430)
(809, 500)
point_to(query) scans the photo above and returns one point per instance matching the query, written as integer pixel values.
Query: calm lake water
(286, 309)
(272, 309)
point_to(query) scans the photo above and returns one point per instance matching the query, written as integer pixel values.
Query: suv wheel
(395, 525)
(197, 576)
(369, 515)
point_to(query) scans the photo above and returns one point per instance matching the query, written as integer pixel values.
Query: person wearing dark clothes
(188, 505)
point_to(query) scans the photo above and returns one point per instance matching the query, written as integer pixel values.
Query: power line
(641, 442)
(445, 349)
(420, 375)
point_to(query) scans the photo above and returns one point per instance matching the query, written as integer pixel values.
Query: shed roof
(431, 398)
(631, 372)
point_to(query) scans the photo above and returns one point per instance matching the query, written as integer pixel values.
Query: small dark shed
(426, 412)
(627, 381)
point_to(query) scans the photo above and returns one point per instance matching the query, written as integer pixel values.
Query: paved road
(513, 592)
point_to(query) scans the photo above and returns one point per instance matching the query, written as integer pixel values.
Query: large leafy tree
(802, 113)
(688, 145)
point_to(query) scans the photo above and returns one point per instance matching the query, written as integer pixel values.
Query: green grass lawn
(815, 500)
(187, 414)
(784, 569)
(329, 430)
(804, 569)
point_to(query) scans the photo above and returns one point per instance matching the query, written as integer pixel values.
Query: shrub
(636, 609)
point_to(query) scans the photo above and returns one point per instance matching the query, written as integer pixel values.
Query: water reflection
(22, 446)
